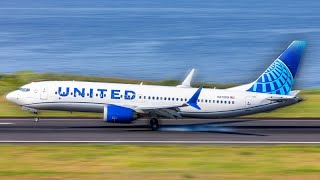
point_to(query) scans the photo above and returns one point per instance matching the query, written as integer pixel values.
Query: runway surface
(188, 131)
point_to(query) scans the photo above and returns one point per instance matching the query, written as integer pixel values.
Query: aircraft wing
(170, 111)
(166, 111)
(143, 108)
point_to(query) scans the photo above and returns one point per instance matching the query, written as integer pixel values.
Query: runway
(183, 131)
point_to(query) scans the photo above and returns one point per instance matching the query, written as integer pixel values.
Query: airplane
(124, 103)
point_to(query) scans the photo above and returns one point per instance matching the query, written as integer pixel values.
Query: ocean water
(226, 41)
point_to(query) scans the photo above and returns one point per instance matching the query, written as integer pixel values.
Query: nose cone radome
(12, 97)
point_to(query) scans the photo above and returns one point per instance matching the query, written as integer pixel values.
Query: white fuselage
(93, 97)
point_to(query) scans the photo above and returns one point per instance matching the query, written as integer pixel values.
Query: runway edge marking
(172, 142)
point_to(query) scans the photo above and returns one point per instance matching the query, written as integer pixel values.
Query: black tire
(154, 124)
(36, 119)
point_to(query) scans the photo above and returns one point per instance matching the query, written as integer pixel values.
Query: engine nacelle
(118, 114)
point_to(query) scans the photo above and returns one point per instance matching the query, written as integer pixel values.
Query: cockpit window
(24, 89)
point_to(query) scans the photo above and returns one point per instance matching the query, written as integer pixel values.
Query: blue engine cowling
(118, 114)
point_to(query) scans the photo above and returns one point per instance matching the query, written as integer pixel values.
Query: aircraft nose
(12, 97)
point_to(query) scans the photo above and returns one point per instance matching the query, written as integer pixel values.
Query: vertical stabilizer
(279, 77)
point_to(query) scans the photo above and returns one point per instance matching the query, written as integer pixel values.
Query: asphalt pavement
(182, 131)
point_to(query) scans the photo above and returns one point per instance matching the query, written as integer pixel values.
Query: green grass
(9, 82)
(151, 161)
(308, 108)
(158, 162)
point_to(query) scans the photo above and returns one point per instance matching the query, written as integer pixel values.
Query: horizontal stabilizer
(294, 93)
(283, 98)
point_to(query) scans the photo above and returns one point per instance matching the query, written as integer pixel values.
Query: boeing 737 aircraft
(124, 103)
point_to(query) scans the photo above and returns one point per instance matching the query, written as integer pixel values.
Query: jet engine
(118, 114)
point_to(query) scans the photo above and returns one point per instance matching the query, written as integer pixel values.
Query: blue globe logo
(277, 79)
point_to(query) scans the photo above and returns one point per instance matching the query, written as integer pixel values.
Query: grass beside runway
(159, 162)
(310, 108)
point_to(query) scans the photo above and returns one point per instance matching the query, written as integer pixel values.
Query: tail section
(279, 77)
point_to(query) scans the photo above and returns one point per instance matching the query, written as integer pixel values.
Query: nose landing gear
(32, 110)
(36, 119)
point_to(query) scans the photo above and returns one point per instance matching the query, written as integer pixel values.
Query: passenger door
(44, 93)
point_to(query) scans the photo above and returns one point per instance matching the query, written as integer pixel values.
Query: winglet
(194, 99)
(187, 82)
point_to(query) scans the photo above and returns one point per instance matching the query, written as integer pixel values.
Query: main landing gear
(154, 124)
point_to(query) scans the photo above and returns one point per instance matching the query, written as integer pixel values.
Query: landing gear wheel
(36, 119)
(154, 124)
